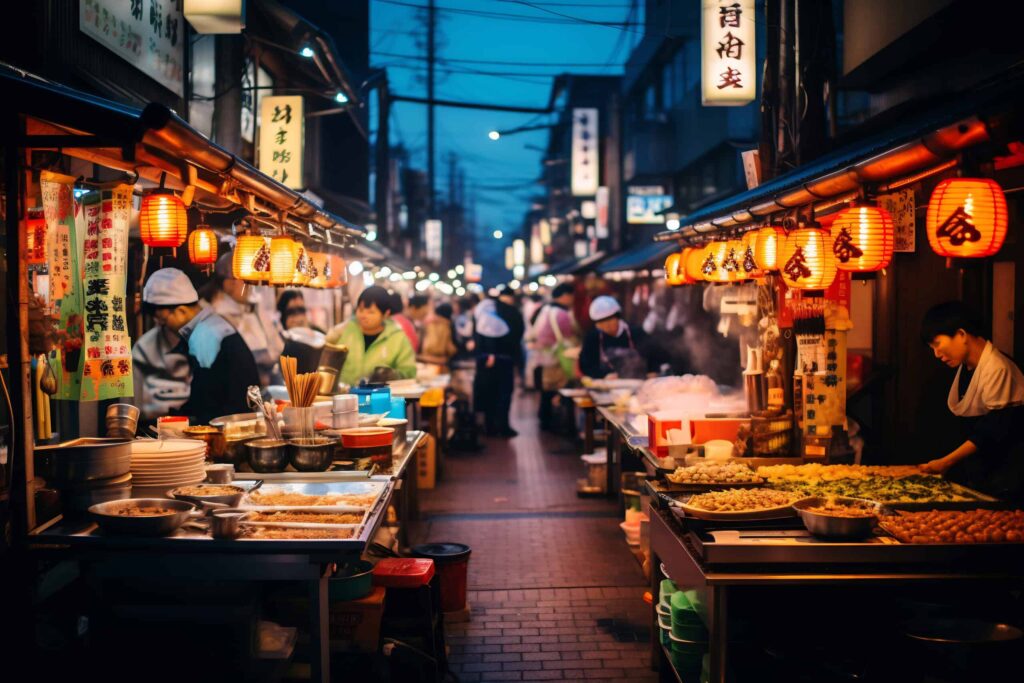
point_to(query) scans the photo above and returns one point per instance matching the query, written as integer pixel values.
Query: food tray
(778, 512)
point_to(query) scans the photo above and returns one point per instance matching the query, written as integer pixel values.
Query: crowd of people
(208, 345)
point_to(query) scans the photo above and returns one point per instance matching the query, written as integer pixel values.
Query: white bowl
(718, 449)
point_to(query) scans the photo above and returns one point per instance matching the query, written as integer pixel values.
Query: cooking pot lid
(442, 552)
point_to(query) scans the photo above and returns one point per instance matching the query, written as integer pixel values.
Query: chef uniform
(989, 402)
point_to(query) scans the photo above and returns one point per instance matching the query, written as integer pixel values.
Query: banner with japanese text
(107, 371)
(728, 51)
(63, 246)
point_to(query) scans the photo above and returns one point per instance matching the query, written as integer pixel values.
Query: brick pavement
(555, 593)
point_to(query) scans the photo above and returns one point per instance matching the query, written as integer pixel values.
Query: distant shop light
(340, 97)
(385, 271)
(355, 268)
(395, 277)
(367, 279)
(461, 291)
(371, 236)
(494, 135)
(498, 234)
(672, 224)
(460, 269)
(533, 287)
(515, 284)
(451, 274)
(409, 275)
(422, 285)
(307, 51)
(456, 283)
(434, 277)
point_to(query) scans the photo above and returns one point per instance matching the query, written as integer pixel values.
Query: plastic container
(365, 393)
(353, 581)
(171, 426)
(345, 420)
(717, 450)
(632, 532)
(683, 611)
(664, 616)
(403, 572)
(666, 635)
(380, 401)
(345, 403)
(687, 655)
(397, 411)
(452, 561)
(666, 590)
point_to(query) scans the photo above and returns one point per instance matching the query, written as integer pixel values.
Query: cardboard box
(355, 624)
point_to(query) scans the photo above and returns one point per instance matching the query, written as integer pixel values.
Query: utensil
(312, 455)
(832, 526)
(85, 459)
(267, 455)
(229, 499)
(255, 400)
(226, 523)
(172, 514)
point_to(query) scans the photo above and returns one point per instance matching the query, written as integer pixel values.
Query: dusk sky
(520, 45)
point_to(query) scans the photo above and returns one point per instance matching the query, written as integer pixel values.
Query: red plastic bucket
(452, 563)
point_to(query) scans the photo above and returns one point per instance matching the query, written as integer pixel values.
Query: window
(650, 103)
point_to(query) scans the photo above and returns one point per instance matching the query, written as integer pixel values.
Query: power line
(617, 25)
(491, 62)
(470, 105)
(567, 19)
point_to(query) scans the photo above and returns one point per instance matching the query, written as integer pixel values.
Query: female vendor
(987, 397)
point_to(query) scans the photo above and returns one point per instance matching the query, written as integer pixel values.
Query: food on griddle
(918, 488)
(834, 508)
(307, 517)
(144, 511)
(714, 473)
(284, 533)
(354, 499)
(815, 472)
(207, 490)
(742, 500)
(957, 526)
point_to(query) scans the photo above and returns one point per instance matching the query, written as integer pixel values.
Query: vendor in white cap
(613, 349)
(222, 365)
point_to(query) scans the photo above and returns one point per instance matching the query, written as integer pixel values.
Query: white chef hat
(169, 287)
(488, 322)
(604, 307)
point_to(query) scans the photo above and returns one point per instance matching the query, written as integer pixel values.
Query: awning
(641, 257)
(157, 144)
(912, 147)
(572, 266)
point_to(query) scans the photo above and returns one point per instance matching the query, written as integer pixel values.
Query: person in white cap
(613, 349)
(222, 365)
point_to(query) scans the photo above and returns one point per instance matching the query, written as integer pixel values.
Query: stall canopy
(882, 162)
(156, 144)
(642, 257)
(572, 266)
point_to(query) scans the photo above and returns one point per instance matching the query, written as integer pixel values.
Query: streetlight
(498, 234)
(340, 97)
(371, 236)
(494, 135)
(307, 52)
(355, 268)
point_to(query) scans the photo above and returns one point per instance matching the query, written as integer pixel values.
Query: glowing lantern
(862, 239)
(711, 267)
(163, 221)
(967, 218)
(283, 254)
(251, 260)
(767, 245)
(732, 262)
(304, 268)
(202, 246)
(321, 269)
(807, 261)
(675, 274)
(337, 274)
(35, 241)
(748, 266)
(693, 261)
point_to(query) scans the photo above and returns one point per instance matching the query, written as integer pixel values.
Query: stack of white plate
(167, 463)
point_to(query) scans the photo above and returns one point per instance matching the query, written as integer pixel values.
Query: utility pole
(431, 56)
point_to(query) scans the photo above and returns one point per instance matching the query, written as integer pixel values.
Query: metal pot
(84, 460)
(235, 451)
(227, 523)
(231, 500)
(401, 427)
(834, 527)
(174, 513)
(81, 497)
(312, 455)
(216, 442)
(267, 455)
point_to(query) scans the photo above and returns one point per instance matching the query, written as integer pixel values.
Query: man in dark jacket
(222, 365)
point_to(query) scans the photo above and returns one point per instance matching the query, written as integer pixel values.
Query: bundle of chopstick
(301, 388)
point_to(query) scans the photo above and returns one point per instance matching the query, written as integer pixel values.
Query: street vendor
(222, 365)
(614, 349)
(987, 397)
(373, 339)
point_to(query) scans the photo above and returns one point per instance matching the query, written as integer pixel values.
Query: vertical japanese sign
(282, 139)
(901, 207)
(107, 371)
(63, 246)
(728, 69)
(433, 239)
(148, 34)
(584, 152)
(601, 219)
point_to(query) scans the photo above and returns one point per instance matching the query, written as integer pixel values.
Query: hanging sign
(644, 203)
(148, 34)
(282, 139)
(584, 152)
(107, 370)
(728, 68)
(35, 238)
(433, 239)
(901, 207)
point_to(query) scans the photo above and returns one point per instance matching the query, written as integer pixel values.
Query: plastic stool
(413, 617)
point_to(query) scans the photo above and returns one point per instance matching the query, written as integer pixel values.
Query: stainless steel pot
(401, 427)
(84, 460)
(312, 455)
(834, 527)
(267, 455)
(79, 498)
(227, 524)
(112, 518)
(231, 500)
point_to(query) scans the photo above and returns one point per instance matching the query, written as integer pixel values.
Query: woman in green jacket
(373, 339)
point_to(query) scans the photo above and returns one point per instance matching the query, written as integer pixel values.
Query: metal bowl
(231, 500)
(227, 523)
(174, 514)
(267, 455)
(312, 455)
(835, 527)
(123, 410)
(83, 460)
(401, 427)
(235, 451)
(216, 442)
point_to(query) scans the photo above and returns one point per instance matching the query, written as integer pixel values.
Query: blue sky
(540, 39)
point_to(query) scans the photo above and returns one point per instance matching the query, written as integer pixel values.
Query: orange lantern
(163, 221)
(675, 273)
(767, 245)
(202, 246)
(732, 262)
(284, 252)
(862, 239)
(320, 270)
(337, 271)
(303, 266)
(251, 260)
(807, 261)
(711, 266)
(967, 218)
(693, 261)
(748, 266)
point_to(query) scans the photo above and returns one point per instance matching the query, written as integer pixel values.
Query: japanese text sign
(585, 157)
(728, 67)
(282, 139)
(149, 34)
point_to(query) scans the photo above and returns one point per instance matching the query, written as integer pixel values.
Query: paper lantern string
(730, 263)
(748, 261)
(261, 261)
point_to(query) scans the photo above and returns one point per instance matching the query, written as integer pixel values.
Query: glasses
(295, 310)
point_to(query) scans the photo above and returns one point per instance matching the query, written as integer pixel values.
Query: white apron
(997, 383)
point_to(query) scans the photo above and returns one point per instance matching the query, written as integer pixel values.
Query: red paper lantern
(807, 261)
(767, 247)
(202, 246)
(862, 239)
(163, 221)
(967, 218)
(35, 241)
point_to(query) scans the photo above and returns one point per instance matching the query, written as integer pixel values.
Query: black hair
(948, 318)
(562, 289)
(397, 305)
(444, 310)
(150, 309)
(377, 296)
(419, 301)
(287, 296)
